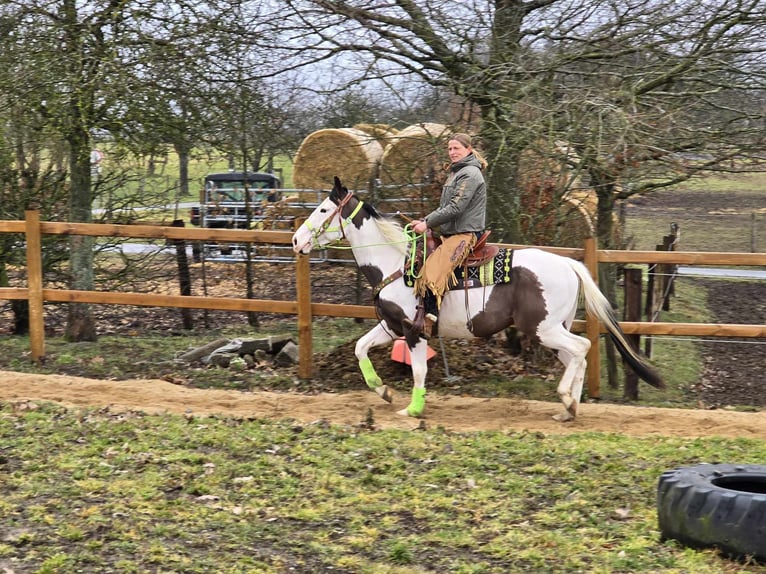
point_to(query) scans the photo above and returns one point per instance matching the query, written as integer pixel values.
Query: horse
(538, 293)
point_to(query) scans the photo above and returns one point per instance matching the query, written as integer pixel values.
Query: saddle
(480, 263)
(481, 252)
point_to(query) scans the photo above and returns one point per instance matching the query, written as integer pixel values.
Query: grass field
(98, 491)
(164, 183)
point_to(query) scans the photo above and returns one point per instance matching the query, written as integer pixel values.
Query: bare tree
(630, 84)
(102, 67)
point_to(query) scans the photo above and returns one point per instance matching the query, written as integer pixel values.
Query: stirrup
(428, 325)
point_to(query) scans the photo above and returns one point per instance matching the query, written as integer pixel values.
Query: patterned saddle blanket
(492, 272)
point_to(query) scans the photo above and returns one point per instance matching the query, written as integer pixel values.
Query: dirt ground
(732, 376)
(458, 414)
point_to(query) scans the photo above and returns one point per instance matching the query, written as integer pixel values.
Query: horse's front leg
(419, 361)
(376, 337)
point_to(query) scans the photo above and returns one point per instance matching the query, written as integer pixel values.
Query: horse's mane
(390, 228)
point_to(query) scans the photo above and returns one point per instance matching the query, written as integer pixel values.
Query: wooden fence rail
(305, 310)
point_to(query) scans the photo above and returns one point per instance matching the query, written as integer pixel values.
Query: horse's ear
(338, 191)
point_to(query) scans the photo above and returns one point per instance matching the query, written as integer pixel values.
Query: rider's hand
(419, 226)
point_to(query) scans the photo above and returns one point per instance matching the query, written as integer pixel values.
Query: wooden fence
(37, 294)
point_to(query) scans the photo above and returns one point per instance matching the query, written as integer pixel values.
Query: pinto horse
(535, 291)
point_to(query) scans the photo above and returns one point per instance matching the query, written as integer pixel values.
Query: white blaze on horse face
(304, 239)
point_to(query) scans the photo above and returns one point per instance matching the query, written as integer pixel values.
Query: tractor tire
(715, 505)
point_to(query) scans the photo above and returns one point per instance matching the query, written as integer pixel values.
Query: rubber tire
(715, 505)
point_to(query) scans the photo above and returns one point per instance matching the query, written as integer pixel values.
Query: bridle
(342, 221)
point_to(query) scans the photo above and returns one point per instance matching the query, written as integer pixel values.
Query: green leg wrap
(418, 402)
(368, 372)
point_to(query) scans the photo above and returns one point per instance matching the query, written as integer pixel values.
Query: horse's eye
(323, 210)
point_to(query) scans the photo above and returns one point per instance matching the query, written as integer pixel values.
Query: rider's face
(456, 150)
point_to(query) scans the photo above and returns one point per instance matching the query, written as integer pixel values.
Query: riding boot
(431, 311)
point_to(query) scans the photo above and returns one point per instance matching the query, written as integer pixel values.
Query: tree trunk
(20, 307)
(183, 169)
(184, 276)
(605, 187)
(503, 199)
(80, 325)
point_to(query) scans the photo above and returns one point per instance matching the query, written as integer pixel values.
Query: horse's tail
(598, 305)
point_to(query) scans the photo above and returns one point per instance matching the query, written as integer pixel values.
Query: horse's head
(326, 223)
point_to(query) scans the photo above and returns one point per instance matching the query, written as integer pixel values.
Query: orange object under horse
(401, 352)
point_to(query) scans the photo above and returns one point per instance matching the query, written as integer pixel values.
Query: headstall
(342, 221)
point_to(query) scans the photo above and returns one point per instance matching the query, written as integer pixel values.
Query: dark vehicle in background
(223, 203)
(233, 200)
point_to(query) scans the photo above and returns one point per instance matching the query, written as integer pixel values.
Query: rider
(461, 218)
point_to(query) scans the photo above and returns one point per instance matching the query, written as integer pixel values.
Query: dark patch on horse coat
(339, 193)
(518, 303)
(373, 274)
(393, 315)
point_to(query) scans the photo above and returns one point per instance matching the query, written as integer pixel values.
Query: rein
(410, 237)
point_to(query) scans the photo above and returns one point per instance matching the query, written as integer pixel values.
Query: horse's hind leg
(572, 351)
(376, 337)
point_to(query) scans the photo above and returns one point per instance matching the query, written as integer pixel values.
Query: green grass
(744, 182)
(166, 174)
(96, 491)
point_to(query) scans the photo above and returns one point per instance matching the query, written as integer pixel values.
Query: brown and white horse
(540, 299)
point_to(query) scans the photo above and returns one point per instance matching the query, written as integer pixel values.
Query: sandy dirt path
(450, 412)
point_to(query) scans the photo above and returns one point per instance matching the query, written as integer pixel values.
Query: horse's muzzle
(304, 248)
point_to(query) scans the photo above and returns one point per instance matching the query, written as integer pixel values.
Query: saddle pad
(494, 271)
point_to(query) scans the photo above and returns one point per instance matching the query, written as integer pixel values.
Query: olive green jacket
(463, 203)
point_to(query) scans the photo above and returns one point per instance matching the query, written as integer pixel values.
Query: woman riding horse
(461, 218)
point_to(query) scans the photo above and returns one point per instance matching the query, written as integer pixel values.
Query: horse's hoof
(385, 393)
(406, 413)
(564, 417)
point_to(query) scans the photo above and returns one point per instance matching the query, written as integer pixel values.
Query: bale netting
(412, 168)
(414, 155)
(381, 132)
(351, 154)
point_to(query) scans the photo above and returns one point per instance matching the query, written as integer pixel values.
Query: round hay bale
(578, 215)
(562, 222)
(349, 153)
(415, 155)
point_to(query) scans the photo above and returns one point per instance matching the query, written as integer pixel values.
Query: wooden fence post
(303, 294)
(668, 244)
(632, 312)
(649, 307)
(184, 276)
(753, 232)
(592, 327)
(35, 284)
